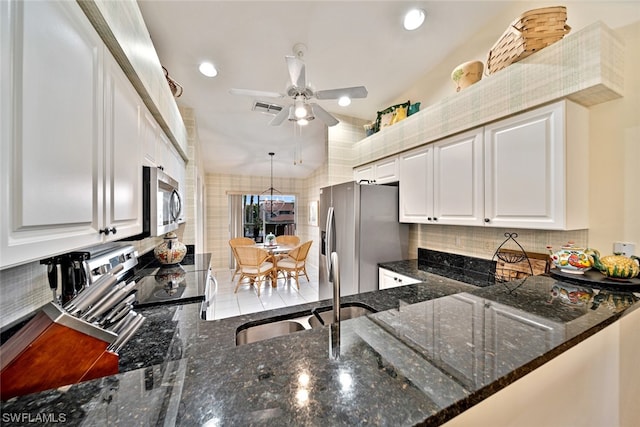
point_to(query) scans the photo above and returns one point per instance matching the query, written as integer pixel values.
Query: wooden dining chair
(255, 264)
(288, 239)
(294, 262)
(235, 242)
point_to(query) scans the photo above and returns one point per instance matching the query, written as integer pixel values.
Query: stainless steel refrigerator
(360, 223)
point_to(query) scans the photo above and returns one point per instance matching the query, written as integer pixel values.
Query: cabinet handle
(161, 167)
(435, 219)
(108, 230)
(487, 220)
(429, 218)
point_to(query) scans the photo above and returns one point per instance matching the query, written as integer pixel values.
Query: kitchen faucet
(335, 325)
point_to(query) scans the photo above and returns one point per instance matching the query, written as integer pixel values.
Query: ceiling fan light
(300, 109)
(343, 101)
(414, 19)
(303, 122)
(208, 69)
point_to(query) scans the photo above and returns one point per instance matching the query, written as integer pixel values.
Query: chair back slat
(241, 241)
(287, 239)
(251, 256)
(300, 252)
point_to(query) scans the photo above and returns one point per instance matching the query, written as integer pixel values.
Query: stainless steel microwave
(162, 204)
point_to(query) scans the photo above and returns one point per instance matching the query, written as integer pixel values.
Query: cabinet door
(524, 170)
(416, 185)
(386, 171)
(51, 109)
(458, 175)
(123, 175)
(149, 136)
(364, 173)
(505, 347)
(459, 336)
(390, 279)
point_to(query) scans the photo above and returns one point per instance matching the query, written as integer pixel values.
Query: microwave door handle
(175, 206)
(329, 242)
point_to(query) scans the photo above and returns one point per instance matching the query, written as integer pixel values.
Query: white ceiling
(349, 43)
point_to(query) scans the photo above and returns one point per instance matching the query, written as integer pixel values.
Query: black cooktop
(182, 283)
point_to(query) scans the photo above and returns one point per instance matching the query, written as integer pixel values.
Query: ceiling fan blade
(351, 92)
(256, 93)
(280, 117)
(323, 115)
(296, 72)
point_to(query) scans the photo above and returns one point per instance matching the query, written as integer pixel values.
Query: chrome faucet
(334, 276)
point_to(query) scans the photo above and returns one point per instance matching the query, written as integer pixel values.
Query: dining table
(274, 251)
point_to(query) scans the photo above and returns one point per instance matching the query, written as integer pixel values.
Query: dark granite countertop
(433, 350)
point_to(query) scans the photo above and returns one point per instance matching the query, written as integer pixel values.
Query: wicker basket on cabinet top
(532, 31)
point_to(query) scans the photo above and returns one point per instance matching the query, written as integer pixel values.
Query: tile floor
(226, 303)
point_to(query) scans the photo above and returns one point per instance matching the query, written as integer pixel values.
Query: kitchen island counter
(432, 351)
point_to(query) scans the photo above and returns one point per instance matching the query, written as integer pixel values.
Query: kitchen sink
(267, 330)
(276, 327)
(348, 312)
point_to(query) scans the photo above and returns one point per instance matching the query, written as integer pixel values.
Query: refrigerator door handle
(329, 242)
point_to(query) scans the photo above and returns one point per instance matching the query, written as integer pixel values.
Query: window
(264, 214)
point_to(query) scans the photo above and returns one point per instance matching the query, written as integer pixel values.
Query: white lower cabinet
(526, 171)
(390, 279)
(69, 135)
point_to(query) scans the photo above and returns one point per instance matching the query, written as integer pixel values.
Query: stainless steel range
(190, 281)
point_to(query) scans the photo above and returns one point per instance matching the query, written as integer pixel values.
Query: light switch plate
(624, 248)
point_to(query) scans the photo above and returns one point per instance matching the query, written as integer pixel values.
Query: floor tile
(226, 303)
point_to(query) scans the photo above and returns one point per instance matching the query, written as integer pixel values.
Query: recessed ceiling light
(344, 101)
(208, 69)
(414, 19)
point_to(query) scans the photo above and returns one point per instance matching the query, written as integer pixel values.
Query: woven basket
(532, 31)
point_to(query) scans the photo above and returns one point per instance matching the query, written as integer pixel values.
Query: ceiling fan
(302, 110)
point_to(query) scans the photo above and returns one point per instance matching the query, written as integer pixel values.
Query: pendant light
(274, 205)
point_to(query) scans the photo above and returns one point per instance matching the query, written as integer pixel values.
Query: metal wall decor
(176, 88)
(513, 265)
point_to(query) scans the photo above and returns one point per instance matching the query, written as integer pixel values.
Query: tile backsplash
(24, 289)
(482, 242)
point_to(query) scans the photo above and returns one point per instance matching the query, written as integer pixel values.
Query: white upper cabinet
(158, 151)
(442, 182)
(526, 171)
(416, 185)
(458, 169)
(123, 174)
(149, 136)
(381, 172)
(52, 106)
(71, 162)
(536, 167)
